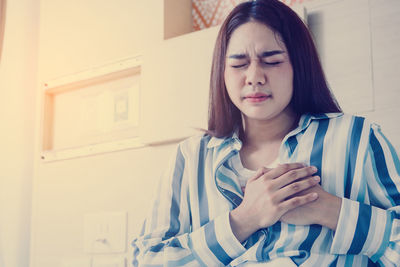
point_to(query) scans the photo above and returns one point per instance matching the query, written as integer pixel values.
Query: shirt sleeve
(374, 230)
(167, 238)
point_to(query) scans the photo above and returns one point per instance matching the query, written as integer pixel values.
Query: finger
(282, 169)
(260, 172)
(294, 175)
(294, 188)
(295, 202)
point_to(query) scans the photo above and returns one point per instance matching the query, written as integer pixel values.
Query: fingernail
(313, 168)
(316, 178)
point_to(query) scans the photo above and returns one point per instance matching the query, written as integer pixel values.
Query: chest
(255, 158)
(338, 156)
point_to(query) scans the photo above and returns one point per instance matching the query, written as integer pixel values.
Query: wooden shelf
(92, 111)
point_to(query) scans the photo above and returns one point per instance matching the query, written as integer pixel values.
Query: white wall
(74, 36)
(385, 33)
(358, 42)
(18, 69)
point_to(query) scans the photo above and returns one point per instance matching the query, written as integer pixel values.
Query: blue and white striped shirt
(189, 224)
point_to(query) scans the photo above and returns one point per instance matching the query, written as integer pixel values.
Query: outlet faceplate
(105, 232)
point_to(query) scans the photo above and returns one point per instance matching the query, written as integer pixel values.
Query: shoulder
(203, 142)
(341, 119)
(355, 121)
(194, 143)
(340, 124)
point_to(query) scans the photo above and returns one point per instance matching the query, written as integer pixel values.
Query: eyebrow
(262, 55)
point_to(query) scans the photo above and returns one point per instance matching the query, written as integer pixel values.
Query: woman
(282, 178)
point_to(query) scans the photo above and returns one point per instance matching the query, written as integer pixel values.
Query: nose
(255, 75)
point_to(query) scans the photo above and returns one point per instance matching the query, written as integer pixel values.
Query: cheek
(226, 75)
(227, 78)
(283, 78)
(232, 79)
(232, 87)
(289, 73)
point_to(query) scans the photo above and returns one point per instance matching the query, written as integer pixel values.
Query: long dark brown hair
(311, 93)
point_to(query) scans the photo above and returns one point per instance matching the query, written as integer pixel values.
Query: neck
(262, 132)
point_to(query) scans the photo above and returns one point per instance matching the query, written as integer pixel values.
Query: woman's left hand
(324, 211)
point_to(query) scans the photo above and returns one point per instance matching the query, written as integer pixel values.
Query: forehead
(255, 37)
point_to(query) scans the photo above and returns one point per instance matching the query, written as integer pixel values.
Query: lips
(257, 97)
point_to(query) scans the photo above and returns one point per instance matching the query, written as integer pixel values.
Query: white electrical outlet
(105, 232)
(121, 107)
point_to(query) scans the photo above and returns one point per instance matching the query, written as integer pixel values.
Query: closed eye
(272, 63)
(239, 66)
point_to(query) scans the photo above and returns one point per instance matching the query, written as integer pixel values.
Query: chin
(264, 116)
(260, 117)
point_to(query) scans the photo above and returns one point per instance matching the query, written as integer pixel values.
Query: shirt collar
(304, 122)
(232, 139)
(307, 118)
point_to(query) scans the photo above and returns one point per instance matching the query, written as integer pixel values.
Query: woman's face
(258, 73)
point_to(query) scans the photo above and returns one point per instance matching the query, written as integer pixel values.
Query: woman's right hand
(269, 195)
